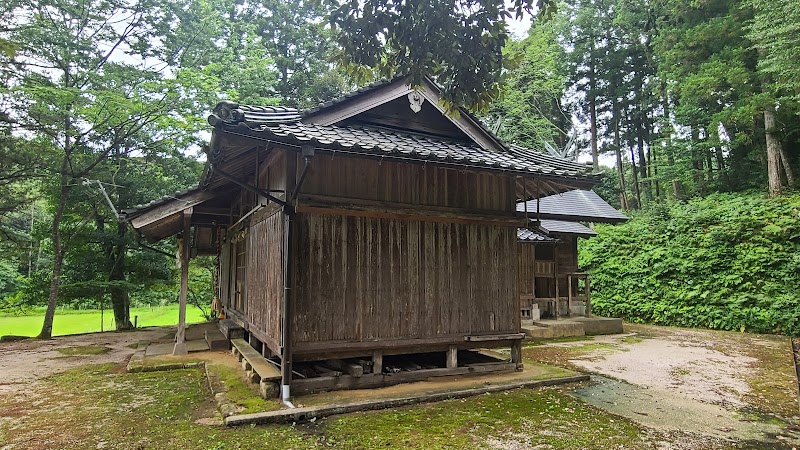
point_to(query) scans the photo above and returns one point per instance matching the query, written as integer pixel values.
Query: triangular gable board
(389, 105)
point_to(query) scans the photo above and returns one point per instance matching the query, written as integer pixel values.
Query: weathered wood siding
(264, 286)
(362, 278)
(525, 268)
(415, 184)
(567, 254)
(224, 274)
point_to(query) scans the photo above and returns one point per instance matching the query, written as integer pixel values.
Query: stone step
(230, 329)
(216, 340)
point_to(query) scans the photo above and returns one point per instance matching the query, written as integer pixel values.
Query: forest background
(689, 109)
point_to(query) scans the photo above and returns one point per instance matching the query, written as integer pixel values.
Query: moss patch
(631, 339)
(83, 350)
(240, 392)
(93, 407)
(514, 419)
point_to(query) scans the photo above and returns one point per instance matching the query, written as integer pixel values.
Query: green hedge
(727, 261)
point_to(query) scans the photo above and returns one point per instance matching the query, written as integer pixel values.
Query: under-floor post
(452, 357)
(516, 354)
(377, 362)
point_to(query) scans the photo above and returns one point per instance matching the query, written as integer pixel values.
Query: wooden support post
(516, 353)
(588, 311)
(377, 362)
(569, 295)
(452, 357)
(183, 261)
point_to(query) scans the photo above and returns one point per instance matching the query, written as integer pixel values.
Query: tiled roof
(576, 205)
(255, 115)
(528, 235)
(284, 126)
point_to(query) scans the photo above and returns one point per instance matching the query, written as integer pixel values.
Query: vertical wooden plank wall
(525, 268)
(414, 184)
(363, 278)
(264, 283)
(224, 274)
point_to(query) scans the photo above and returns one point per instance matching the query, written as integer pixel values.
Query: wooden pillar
(452, 357)
(183, 261)
(377, 362)
(516, 353)
(588, 311)
(569, 295)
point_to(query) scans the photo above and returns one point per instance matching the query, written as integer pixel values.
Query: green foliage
(458, 42)
(529, 111)
(723, 262)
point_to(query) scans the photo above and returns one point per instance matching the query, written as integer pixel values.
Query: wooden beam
(495, 337)
(410, 214)
(183, 258)
(366, 102)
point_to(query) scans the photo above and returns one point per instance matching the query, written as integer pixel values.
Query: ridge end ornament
(415, 100)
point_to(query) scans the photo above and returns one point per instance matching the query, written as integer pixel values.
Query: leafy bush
(727, 261)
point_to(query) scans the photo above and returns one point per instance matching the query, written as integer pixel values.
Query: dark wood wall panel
(361, 279)
(224, 274)
(264, 282)
(526, 268)
(415, 184)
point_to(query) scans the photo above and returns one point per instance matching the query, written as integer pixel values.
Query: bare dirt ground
(729, 386)
(25, 362)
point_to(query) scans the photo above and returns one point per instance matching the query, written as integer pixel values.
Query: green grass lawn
(88, 320)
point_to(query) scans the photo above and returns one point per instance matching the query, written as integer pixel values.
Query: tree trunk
(791, 177)
(120, 300)
(593, 111)
(623, 195)
(773, 152)
(58, 255)
(635, 178)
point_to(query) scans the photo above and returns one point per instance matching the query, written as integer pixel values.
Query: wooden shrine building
(370, 227)
(548, 276)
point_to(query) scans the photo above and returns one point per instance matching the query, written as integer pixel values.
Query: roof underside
(575, 205)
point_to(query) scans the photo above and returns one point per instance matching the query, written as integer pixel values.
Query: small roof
(528, 235)
(563, 227)
(576, 205)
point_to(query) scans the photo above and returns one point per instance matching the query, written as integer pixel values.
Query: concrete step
(600, 325)
(575, 326)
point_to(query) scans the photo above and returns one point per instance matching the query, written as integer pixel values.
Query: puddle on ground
(663, 410)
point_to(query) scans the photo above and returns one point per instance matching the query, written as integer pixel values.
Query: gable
(398, 115)
(385, 104)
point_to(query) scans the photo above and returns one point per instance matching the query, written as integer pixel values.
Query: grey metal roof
(576, 205)
(564, 227)
(282, 125)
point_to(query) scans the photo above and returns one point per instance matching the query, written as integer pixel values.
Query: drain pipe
(286, 350)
